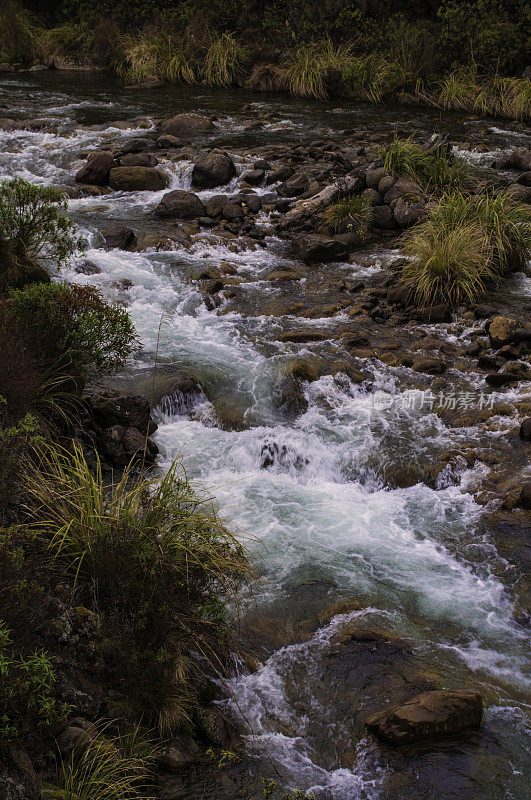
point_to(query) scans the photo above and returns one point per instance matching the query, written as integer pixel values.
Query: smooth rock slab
(427, 716)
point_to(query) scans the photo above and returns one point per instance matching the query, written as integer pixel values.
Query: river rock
(373, 176)
(168, 141)
(525, 430)
(188, 125)
(214, 169)
(138, 160)
(427, 716)
(123, 238)
(96, 170)
(430, 366)
(402, 187)
(215, 205)
(372, 196)
(180, 204)
(316, 247)
(255, 177)
(121, 445)
(502, 330)
(433, 314)
(294, 186)
(408, 213)
(383, 217)
(525, 496)
(108, 407)
(137, 144)
(137, 179)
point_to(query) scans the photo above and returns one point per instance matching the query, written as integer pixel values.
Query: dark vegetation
(116, 584)
(448, 53)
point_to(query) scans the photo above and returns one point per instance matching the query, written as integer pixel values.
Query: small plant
(351, 214)
(165, 617)
(26, 689)
(433, 171)
(75, 327)
(32, 219)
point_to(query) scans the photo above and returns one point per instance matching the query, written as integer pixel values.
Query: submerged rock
(427, 716)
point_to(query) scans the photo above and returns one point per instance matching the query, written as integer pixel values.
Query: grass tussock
(224, 60)
(430, 170)
(464, 90)
(351, 214)
(465, 245)
(268, 78)
(157, 563)
(119, 767)
(312, 68)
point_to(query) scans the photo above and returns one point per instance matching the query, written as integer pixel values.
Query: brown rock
(96, 170)
(427, 716)
(188, 125)
(180, 204)
(137, 179)
(214, 169)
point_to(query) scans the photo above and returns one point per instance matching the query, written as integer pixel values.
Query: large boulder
(214, 169)
(108, 407)
(503, 330)
(137, 179)
(120, 237)
(138, 160)
(383, 218)
(408, 212)
(294, 186)
(403, 186)
(188, 125)
(525, 430)
(427, 716)
(316, 247)
(96, 171)
(180, 204)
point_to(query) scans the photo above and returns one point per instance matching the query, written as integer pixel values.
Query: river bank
(297, 390)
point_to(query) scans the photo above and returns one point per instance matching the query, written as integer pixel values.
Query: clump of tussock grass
(223, 62)
(430, 170)
(352, 213)
(313, 66)
(70, 40)
(465, 90)
(119, 767)
(153, 54)
(18, 33)
(465, 244)
(373, 77)
(156, 561)
(268, 78)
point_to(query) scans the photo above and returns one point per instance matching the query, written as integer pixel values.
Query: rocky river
(368, 455)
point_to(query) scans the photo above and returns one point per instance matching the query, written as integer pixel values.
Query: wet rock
(138, 160)
(430, 366)
(88, 268)
(525, 430)
(386, 184)
(180, 754)
(373, 176)
(96, 170)
(214, 169)
(122, 238)
(108, 407)
(288, 397)
(215, 205)
(262, 164)
(383, 217)
(522, 194)
(498, 379)
(279, 174)
(427, 716)
(167, 141)
(525, 496)
(408, 213)
(317, 247)
(301, 337)
(136, 145)
(180, 204)
(294, 186)
(399, 294)
(434, 314)
(402, 187)
(188, 125)
(137, 179)
(372, 196)
(253, 203)
(122, 445)
(255, 177)
(232, 212)
(524, 179)
(482, 311)
(502, 330)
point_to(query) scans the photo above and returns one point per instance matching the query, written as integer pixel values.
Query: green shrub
(31, 219)
(157, 562)
(26, 689)
(352, 214)
(75, 328)
(433, 171)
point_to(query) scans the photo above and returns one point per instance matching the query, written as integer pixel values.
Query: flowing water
(305, 493)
